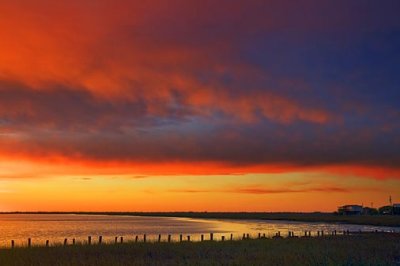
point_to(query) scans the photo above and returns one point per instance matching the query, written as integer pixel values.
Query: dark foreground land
(378, 220)
(366, 249)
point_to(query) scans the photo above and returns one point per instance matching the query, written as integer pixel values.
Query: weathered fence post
(231, 237)
(248, 236)
(188, 238)
(12, 243)
(136, 239)
(159, 238)
(47, 243)
(144, 238)
(89, 240)
(264, 235)
(169, 238)
(180, 237)
(223, 238)
(73, 241)
(116, 240)
(65, 241)
(305, 233)
(121, 239)
(29, 242)
(100, 239)
(335, 232)
(244, 236)
(259, 235)
(202, 238)
(211, 236)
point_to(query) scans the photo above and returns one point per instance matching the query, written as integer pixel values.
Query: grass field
(366, 249)
(378, 220)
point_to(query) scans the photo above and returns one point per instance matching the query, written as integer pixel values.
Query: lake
(57, 227)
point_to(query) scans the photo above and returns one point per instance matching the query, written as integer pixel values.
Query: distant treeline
(378, 220)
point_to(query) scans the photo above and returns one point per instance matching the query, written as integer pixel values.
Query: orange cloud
(162, 88)
(116, 55)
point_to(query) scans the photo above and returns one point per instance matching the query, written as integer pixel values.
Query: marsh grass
(368, 249)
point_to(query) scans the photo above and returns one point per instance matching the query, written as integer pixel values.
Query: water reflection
(56, 227)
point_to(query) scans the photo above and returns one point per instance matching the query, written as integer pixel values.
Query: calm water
(56, 227)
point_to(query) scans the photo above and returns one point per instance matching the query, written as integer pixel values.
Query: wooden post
(259, 235)
(159, 238)
(244, 236)
(188, 238)
(348, 232)
(211, 236)
(264, 235)
(65, 241)
(100, 239)
(73, 241)
(136, 239)
(202, 238)
(335, 232)
(248, 236)
(169, 238)
(305, 233)
(317, 233)
(231, 237)
(279, 233)
(116, 240)
(222, 238)
(12, 243)
(29, 242)
(47, 243)
(144, 238)
(180, 237)
(121, 239)
(89, 240)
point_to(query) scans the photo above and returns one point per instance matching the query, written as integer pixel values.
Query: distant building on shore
(396, 208)
(350, 210)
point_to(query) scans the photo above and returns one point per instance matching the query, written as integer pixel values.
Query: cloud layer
(249, 85)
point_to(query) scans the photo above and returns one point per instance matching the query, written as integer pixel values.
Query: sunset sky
(217, 105)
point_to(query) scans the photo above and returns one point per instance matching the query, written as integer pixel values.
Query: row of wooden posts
(188, 238)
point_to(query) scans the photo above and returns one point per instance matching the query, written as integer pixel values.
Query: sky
(203, 105)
